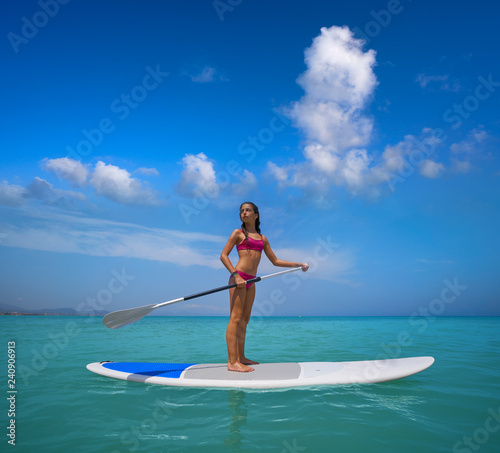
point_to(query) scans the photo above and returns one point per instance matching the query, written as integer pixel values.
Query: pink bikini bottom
(245, 277)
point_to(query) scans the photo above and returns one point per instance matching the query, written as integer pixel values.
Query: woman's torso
(249, 252)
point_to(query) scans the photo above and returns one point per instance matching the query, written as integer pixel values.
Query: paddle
(122, 318)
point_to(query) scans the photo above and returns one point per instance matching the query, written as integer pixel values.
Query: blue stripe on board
(170, 370)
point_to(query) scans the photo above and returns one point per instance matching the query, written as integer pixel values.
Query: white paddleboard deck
(266, 375)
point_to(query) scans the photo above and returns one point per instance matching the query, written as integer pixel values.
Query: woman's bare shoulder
(237, 234)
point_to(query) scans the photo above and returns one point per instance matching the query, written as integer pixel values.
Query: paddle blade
(122, 318)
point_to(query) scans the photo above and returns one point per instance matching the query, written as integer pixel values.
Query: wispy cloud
(147, 171)
(430, 169)
(428, 261)
(472, 143)
(465, 152)
(57, 231)
(40, 190)
(12, 194)
(333, 266)
(206, 75)
(440, 82)
(247, 183)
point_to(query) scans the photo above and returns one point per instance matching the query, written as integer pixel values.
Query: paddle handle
(222, 288)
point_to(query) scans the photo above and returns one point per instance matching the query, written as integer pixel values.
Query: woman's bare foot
(248, 362)
(237, 366)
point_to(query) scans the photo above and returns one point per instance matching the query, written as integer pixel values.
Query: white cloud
(107, 180)
(44, 191)
(339, 83)
(248, 183)
(198, 177)
(206, 75)
(472, 143)
(70, 169)
(424, 80)
(278, 173)
(38, 189)
(57, 231)
(116, 184)
(431, 169)
(434, 261)
(404, 157)
(356, 165)
(11, 194)
(469, 149)
(442, 82)
(460, 166)
(147, 171)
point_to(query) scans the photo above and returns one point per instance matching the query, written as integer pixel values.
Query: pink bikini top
(251, 244)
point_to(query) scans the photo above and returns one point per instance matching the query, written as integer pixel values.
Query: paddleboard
(266, 375)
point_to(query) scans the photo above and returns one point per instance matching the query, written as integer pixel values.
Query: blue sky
(366, 132)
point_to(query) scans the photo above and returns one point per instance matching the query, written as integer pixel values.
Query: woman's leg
(237, 302)
(245, 318)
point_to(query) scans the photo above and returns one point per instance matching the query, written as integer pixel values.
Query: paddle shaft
(122, 318)
(222, 288)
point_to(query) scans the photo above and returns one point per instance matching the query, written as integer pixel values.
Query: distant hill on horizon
(6, 308)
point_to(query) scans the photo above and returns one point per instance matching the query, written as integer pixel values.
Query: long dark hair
(257, 220)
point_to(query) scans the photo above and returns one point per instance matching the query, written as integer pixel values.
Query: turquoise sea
(454, 406)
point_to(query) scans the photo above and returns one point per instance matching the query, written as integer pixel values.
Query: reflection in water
(236, 399)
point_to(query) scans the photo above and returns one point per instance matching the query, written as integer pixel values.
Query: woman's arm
(280, 263)
(224, 256)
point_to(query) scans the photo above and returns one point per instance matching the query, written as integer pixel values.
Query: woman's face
(247, 213)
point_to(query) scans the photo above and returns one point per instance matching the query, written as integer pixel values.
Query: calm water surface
(454, 406)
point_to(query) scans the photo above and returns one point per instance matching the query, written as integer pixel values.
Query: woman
(250, 243)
